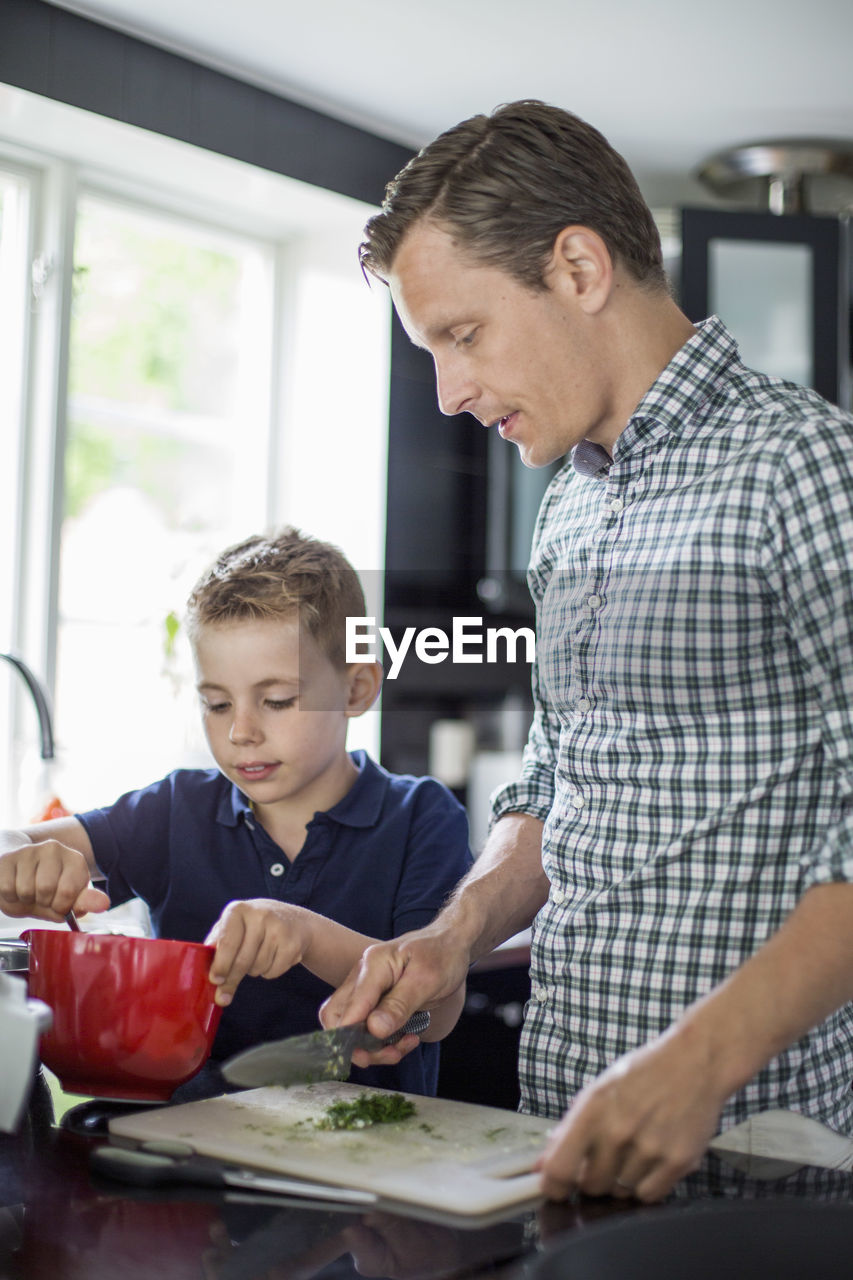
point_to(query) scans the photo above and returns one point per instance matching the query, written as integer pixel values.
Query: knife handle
(416, 1026)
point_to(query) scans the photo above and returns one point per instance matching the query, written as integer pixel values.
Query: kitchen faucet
(38, 693)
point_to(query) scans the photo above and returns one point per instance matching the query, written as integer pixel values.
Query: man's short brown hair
(505, 185)
(283, 574)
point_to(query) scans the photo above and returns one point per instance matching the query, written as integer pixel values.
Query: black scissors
(160, 1164)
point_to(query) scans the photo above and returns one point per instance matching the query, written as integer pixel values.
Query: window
(15, 191)
(203, 360)
(166, 446)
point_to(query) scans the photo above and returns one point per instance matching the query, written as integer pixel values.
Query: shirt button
(616, 505)
(593, 601)
(540, 994)
(277, 869)
(558, 897)
(583, 704)
(578, 800)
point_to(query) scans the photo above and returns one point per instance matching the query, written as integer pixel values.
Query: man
(680, 836)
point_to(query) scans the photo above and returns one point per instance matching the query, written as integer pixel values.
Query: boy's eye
(279, 704)
(215, 707)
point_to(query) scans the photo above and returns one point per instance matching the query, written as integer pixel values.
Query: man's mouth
(505, 424)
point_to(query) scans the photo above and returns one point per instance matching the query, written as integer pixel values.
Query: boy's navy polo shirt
(382, 862)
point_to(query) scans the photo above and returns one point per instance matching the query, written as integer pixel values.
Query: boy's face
(274, 710)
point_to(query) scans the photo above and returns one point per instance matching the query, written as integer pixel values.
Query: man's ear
(581, 264)
(365, 681)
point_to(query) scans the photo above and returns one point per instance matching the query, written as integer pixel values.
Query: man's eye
(467, 339)
(279, 704)
(215, 707)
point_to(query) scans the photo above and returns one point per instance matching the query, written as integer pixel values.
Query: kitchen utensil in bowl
(133, 1018)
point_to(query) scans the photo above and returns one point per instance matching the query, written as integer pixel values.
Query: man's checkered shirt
(691, 748)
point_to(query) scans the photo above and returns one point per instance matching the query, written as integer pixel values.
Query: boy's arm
(45, 871)
(262, 937)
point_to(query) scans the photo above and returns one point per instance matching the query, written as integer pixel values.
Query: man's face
(519, 359)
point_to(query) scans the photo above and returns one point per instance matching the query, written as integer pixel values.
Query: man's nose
(457, 390)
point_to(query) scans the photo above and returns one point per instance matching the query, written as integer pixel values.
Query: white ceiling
(668, 81)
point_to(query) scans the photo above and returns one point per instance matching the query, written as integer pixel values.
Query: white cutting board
(450, 1157)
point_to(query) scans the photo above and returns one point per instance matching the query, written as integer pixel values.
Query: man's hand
(643, 1124)
(427, 968)
(424, 969)
(46, 880)
(260, 937)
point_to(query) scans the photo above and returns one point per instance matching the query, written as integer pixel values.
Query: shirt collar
(363, 802)
(690, 379)
(685, 384)
(360, 806)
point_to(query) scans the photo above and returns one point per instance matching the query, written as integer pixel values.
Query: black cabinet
(782, 285)
(479, 1059)
(460, 512)
(437, 479)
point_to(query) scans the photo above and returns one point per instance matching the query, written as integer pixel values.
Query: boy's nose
(243, 729)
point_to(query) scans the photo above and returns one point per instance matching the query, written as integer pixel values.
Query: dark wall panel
(72, 59)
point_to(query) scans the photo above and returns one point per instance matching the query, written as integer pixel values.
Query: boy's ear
(365, 682)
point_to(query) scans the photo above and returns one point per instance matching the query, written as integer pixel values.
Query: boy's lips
(256, 770)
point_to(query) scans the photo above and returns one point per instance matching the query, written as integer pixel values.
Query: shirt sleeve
(130, 840)
(437, 856)
(533, 791)
(809, 551)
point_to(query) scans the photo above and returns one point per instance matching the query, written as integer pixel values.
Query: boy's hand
(46, 880)
(259, 937)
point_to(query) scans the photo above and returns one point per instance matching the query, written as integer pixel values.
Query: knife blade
(320, 1055)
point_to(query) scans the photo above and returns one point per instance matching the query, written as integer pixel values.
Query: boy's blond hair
(278, 575)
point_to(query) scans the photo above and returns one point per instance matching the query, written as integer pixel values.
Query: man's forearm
(503, 890)
(800, 976)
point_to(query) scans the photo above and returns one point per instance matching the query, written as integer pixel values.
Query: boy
(294, 855)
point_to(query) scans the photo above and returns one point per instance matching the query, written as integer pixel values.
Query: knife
(159, 1169)
(321, 1055)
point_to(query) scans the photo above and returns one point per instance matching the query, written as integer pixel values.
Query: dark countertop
(58, 1222)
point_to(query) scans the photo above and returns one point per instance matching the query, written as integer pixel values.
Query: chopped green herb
(366, 1109)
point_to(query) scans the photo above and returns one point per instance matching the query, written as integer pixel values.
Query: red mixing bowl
(132, 1017)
